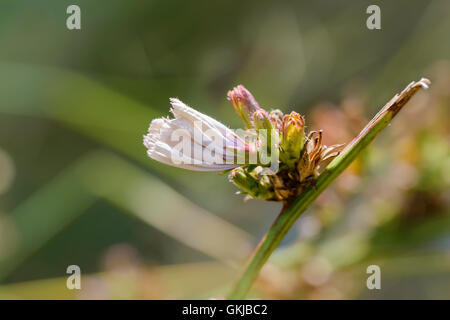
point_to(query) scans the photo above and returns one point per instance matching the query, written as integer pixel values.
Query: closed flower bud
(261, 120)
(244, 103)
(293, 138)
(251, 185)
(243, 181)
(264, 130)
(275, 117)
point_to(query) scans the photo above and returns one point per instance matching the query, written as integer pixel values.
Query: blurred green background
(76, 186)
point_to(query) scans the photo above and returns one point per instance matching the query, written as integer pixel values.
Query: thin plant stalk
(290, 213)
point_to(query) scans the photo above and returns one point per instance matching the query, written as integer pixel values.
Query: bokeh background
(77, 188)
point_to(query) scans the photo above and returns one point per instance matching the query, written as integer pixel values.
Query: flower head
(206, 144)
(272, 159)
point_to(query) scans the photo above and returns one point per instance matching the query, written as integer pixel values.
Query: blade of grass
(45, 213)
(291, 213)
(80, 103)
(158, 205)
(199, 280)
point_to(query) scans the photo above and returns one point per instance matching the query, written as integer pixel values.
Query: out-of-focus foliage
(77, 188)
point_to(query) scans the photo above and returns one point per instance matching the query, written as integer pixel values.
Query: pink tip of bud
(293, 120)
(244, 103)
(240, 94)
(260, 114)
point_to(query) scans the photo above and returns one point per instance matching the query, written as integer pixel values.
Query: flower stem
(289, 214)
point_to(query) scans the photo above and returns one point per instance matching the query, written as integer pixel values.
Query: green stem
(290, 214)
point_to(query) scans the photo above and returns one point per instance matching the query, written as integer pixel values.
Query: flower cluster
(272, 159)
